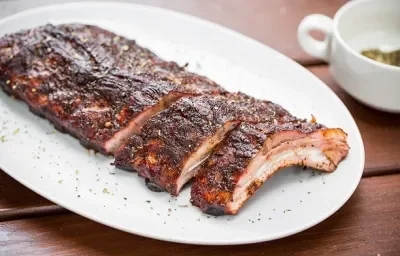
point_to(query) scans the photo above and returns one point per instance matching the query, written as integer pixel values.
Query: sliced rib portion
(253, 153)
(174, 143)
(71, 75)
(114, 107)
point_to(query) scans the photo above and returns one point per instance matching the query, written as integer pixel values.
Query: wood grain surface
(15, 195)
(368, 224)
(273, 22)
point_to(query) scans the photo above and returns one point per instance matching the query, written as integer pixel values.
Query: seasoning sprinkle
(125, 48)
(34, 90)
(108, 124)
(8, 82)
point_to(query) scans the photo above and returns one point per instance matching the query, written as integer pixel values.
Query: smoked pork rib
(70, 74)
(127, 56)
(253, 153)
(174, 143)
(115, 107)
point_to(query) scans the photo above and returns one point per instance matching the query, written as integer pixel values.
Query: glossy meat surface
(160, 153)
(167, 124)
(253, 153)
(92, 83)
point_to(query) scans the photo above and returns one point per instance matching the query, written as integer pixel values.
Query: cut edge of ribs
(177, 141)
(193, 164)
(134, 126)
(167, 160)
(322, 149)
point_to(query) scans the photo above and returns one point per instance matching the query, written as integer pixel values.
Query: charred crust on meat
(101, 88)
(254, 186)
(153, 187)
(216, 182)
(88, 84)
(215, 211)
(169, 138)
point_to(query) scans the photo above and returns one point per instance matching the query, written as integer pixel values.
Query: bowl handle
(318, 49)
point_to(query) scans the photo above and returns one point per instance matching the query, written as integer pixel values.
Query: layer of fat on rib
(136, 123)
(305, 150)
(202, 153)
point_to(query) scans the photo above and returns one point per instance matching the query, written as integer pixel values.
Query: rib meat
(123, 55)
(175, 142)
(253, 153)
(92, 83)
(167, 124)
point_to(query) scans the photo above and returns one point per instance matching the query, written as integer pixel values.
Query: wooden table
(368, 224)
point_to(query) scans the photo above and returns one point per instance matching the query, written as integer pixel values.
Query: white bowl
(357, 26)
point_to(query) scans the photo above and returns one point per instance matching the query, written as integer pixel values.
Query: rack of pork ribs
(169, 125)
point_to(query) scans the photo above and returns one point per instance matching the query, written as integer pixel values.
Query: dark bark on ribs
(168, 140)
(215, 185)
(131, 58)
(90, 82)
(100, 87)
